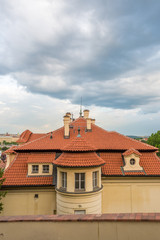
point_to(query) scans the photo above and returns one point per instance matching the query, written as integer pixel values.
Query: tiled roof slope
(98, 137)
(41, 158)
(149, 161)
(79, 144)
(130, 151)
(11, 150)
(16, 173)
(28, 136)
(83, 159)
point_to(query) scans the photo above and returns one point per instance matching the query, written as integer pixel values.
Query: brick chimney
(93, 121)
(86, 113)
(66, 120)
(69, 114)
(89, 121)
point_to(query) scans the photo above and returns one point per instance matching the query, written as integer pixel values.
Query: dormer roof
(131, 151)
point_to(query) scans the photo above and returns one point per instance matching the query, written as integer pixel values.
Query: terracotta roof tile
(130, 151)
(28, 136)
(84, 159)
(11, 149)
(78, 144)
(98, 137)
(16, 173)
(149, 161)
(41, 158)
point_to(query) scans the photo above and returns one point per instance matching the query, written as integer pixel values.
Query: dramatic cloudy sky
(52, 52)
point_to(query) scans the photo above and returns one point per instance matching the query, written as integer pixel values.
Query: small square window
(36, 196)
(35, 168)
(45, 168)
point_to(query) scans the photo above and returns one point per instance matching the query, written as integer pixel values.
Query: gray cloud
(105, 51)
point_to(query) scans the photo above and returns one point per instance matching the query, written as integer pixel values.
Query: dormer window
(35, 168)
(132, 161)
(45, 168)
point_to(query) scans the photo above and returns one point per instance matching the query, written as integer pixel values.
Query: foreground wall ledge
(121, 217)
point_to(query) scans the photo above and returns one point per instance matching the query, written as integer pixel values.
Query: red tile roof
(16, 173)
(79, 152)
(130, 151)
(149, 161)
(98, 137)
(84, 159)
(11, 149)
(41, 158)
(28, 136)
(78, 144)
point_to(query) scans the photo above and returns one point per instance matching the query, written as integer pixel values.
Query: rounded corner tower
(79, 186)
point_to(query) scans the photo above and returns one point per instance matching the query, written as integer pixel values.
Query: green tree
(2, 193)
(154, 140)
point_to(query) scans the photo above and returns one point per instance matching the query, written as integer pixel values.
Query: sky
(53, 52)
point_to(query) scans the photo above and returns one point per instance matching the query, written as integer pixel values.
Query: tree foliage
(2, 193)
(154, 140)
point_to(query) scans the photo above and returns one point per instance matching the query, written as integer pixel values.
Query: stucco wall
(23, 202)
(129, 196)
(91, 227)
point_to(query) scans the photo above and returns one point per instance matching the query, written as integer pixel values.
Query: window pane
(79, 181)
(64, 179)
(35, 168)
(82, 185)
(45, 168)
(80, 212)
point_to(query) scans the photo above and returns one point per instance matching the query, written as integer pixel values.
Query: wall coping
(121, 217)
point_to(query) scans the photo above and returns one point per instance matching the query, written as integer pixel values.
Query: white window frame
(64, 180)
(47, 168)
(79, 181)
(35, 168)
(83, 211)
(95, 179)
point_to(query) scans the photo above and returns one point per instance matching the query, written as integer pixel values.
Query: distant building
(81, 168)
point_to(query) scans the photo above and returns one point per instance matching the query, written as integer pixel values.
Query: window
(35, 168)
(45, 168)
(64, 180)
(132, 161)
(79, 181)
(79, 211)
(95, 179)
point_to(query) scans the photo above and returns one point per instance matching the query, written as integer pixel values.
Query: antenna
(80, 113)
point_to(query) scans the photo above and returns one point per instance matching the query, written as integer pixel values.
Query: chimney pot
(86, 113)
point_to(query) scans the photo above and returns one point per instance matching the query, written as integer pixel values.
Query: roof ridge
(134, 140)
(32, 141)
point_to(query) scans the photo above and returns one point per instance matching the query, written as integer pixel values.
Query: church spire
(80, 113)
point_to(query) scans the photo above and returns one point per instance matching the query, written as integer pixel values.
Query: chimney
(89, 121)
(66, 120)
(86, 113)
(93, 121)
(69, 114)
